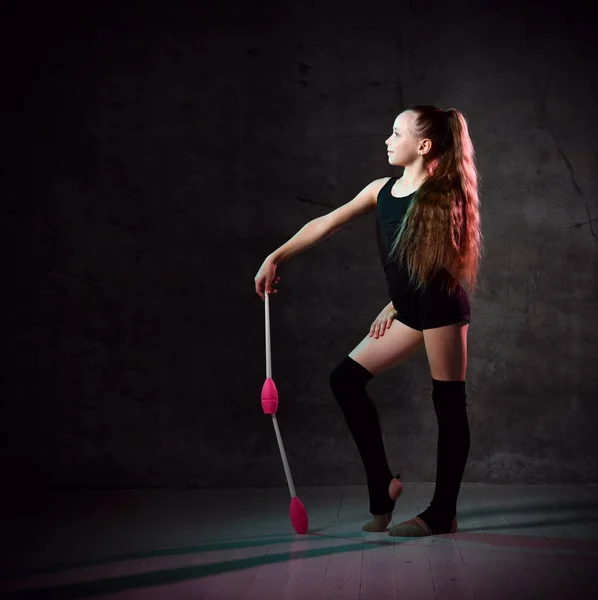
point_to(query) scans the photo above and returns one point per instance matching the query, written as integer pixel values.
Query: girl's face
(402, 148)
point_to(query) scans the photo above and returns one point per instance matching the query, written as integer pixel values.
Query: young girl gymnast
(429, 237)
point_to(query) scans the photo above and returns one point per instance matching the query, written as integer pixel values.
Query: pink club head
(269, 397)
(298, 516)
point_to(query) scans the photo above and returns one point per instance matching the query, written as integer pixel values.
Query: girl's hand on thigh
(383, 321)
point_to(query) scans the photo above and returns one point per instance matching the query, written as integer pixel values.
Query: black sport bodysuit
(430, 307)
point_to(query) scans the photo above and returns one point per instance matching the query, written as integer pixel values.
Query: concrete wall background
(158, 156)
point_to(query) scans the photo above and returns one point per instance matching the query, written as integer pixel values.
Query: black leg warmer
(453, 448)
(348, 381)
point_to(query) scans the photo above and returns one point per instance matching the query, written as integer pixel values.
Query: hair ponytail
(442, 226)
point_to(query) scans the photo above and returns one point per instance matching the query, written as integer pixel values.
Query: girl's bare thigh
(397, 345)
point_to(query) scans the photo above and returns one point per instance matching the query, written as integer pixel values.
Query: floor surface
(514, 542)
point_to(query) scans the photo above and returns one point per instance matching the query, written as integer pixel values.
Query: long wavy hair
(442, 226)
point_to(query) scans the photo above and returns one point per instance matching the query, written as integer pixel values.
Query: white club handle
(268, 348)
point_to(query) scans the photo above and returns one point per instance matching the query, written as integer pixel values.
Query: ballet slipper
(380, 522)
(416, 527)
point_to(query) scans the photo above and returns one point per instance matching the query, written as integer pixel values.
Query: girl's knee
(349, 373)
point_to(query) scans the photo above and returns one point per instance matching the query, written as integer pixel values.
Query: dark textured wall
(156, 156)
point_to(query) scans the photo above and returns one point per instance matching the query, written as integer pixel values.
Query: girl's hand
(383, 321)
(265, 278)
